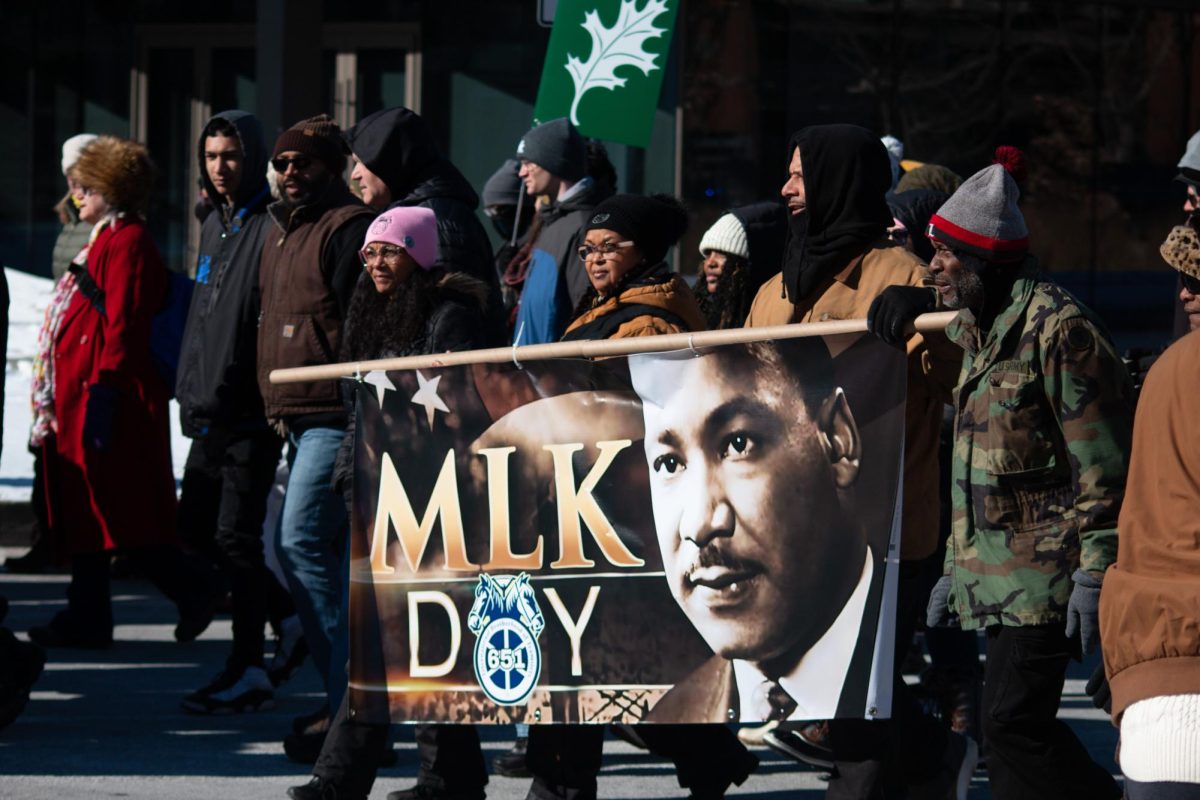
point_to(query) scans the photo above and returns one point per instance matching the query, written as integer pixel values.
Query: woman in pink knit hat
(407, 304)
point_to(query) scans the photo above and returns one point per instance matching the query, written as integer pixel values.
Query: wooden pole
(602, 348)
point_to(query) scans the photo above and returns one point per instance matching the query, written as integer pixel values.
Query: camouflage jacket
(1043, 421)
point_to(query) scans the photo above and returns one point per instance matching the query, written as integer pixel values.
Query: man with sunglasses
(310, 266)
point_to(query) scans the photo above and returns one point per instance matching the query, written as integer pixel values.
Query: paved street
(109, 725)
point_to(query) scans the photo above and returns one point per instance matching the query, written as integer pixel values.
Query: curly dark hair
(729, 305)
(387, 325)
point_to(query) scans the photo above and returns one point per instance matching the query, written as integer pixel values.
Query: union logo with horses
(506, 621)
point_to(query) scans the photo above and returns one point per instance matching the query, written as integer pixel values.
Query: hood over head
(914, 208)
(396, 145)
(846, 174)
(254, 153)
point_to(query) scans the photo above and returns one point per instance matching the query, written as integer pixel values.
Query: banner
(700, 536)
(604, 66)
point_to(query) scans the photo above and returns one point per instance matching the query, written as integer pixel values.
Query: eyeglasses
(299, 162)
(898, 235)
(390, 255)
(606, 249)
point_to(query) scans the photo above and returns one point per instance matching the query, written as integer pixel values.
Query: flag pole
(603, 348)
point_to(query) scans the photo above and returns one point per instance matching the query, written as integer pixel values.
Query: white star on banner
(427, 396)
(379, 379)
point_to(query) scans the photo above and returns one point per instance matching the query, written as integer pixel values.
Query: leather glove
(894, 310)
(939, 614)
(1083, 611)
(1097, 689)
(99, 415)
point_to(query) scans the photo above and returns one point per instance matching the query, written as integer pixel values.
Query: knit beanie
(318, 137)
(412, 227)
(73, 147)
(653, 223)
(982, 218)
(895, 151)
(556, 147)
(505, 185)
(1189, 165)
(727, 236)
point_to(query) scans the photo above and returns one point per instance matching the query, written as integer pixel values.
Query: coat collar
(984, 348)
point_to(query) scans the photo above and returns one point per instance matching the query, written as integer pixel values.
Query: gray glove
(939, 614)
(1083, 611)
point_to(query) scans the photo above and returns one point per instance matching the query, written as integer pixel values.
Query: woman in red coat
(100, 408)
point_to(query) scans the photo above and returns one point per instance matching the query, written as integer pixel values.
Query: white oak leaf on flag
(622, 45)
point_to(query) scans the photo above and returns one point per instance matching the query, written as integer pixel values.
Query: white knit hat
(726, 235)
(73, 147)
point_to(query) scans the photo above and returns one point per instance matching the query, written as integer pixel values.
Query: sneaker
(320, 789)
(233, 692)
(423, 791)
(753, 736)
(808, 743)
(290, 651)
(512, 763)
(954, 780)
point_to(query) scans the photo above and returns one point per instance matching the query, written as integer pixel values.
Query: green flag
(604, 66)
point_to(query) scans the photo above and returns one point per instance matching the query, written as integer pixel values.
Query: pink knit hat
(412, 227)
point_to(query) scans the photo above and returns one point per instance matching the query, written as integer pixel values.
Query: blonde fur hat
(120, 169)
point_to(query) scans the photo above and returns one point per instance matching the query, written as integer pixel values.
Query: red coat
(123, 496)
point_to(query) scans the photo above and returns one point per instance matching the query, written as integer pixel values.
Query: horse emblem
(506, 621)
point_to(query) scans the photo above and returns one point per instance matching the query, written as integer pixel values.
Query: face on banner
(744, 474)
(653, 538)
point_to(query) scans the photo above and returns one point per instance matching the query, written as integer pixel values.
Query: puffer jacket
(655, 303)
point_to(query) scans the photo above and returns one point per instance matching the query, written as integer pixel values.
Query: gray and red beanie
(318, 137)
(982, 218)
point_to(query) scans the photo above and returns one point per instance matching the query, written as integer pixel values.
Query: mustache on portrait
(711, 555)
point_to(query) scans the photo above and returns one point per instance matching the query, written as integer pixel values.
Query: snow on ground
(30, 295)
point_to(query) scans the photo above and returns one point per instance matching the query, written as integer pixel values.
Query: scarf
(846, 175)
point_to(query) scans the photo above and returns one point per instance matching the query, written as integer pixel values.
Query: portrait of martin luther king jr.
(752, 452)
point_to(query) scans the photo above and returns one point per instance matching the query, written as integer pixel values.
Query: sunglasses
(1191, 284)
(299, 162)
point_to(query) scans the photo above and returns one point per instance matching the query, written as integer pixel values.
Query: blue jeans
(311, 541)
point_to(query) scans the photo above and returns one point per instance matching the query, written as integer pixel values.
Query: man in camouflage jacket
(1044, 410)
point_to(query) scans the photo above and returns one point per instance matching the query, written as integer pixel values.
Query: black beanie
(653, 223)
(556, 147)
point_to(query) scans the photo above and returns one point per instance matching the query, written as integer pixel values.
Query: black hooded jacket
(914, 208)
(217, 384)
(397, 146)
(846, 175)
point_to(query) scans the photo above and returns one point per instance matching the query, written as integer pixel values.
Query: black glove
(1083, 611)
(99, 416)
(894, 310)
(1097, 689)
(939, 614)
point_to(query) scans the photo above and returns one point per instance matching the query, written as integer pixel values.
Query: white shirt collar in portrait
(816, 682)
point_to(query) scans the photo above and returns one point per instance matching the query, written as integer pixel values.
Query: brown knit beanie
(318, 137)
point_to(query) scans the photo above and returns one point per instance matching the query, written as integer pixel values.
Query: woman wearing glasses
(634, 292)
(407, 307)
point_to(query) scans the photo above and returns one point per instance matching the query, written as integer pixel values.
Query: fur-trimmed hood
(120, 169)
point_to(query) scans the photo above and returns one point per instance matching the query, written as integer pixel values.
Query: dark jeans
(565, 759)
(451, 758)
(226, 483)
(877, 758)
(1031, 753)
(1161, 790)
(183, 580)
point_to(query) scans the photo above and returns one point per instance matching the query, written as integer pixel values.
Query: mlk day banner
(693, 536)
(604, 66)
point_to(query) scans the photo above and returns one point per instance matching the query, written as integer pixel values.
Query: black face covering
(846, 174)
